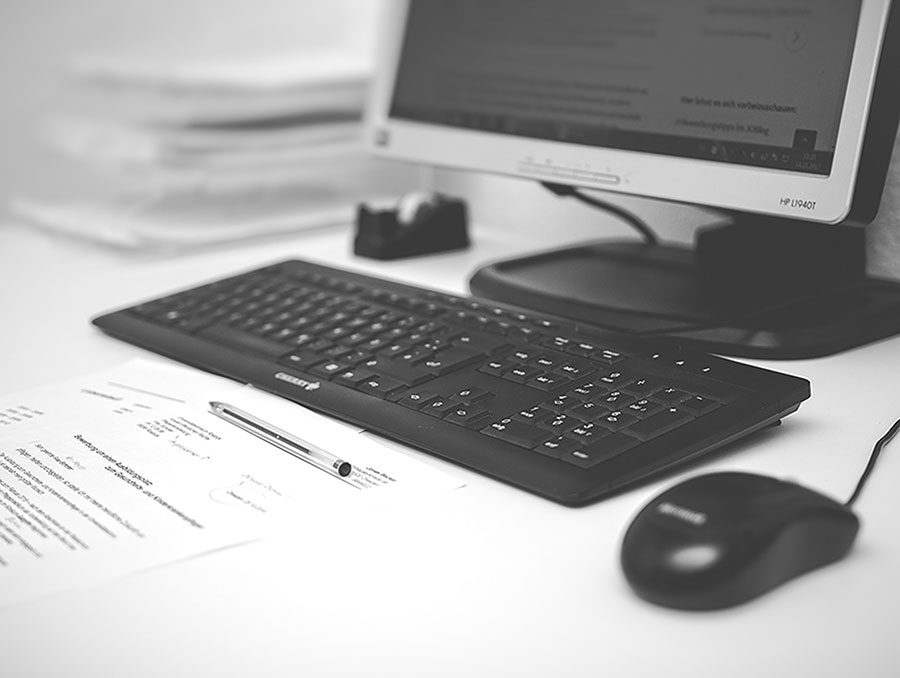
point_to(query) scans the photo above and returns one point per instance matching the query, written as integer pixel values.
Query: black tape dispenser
(421, 223)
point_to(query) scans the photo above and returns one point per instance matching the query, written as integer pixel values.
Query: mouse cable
(873, 457)
(631, 219)
(650, 238)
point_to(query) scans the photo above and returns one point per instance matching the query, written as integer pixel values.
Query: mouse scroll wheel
(694, 558)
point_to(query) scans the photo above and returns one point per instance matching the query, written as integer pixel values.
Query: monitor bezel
(823, 199)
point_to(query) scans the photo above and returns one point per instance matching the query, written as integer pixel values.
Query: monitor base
(725, 296)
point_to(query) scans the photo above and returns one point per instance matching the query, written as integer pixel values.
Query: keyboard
(562, 410)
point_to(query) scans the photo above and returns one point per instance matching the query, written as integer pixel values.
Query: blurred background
(42, 41)
(44, 45)
(104, 103)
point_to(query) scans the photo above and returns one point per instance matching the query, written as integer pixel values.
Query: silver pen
(282, 439)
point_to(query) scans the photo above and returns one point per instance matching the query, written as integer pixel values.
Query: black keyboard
(561, 410)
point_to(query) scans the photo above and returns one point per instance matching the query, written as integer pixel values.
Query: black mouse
(720, 539)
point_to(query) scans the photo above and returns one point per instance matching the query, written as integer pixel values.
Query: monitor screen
(738, 104)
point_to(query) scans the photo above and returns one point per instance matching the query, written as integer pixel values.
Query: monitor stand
(758, 287)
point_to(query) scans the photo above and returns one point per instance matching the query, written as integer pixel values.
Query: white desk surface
(484, 581)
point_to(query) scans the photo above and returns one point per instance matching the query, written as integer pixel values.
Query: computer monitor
(781, 114)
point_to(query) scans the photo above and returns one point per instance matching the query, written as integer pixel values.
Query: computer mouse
(721, 539)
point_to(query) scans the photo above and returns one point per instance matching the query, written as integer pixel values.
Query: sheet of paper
(128, 469)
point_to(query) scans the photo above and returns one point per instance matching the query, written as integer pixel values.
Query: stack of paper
(216, 151)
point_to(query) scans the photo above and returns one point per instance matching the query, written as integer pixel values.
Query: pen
(282, 439)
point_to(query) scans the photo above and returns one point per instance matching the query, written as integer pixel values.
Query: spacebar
(224, 334)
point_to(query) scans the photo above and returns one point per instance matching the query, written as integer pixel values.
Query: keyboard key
(560, 403)
(720, 391)
(614, 379)
(450, 359)
(615, 400)
(643, 408)
(440, 407)
(470, 416)
(698, 405)
(600, 450)
(660, 423)
(643, 387)
(524, 355)
(229, 336)
(395, 349)
(587, 410)
(609, 356)
(517, 432)
(336, 352)
(574, 370)
(560, 423)
(415, 355)
(329, 368)
(589, 390)
(380, 386)
(582, 348)
(481, 342)
(548, 362)
(411, 375)
(301, 359)
(670, 395)
(584, 432)
(532, 415)
(616, 420)
(496, 368)
(559, 343)
(353, 377)
(556, 447)
(417, 398)
(526, 334)
(546, 382)
(521, 374)
(473, 394)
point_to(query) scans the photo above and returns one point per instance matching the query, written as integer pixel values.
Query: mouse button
(826, 525)
(694, 558)
(677, 540)
(682, 577)
(657, 562)
(794, 504)
(802, 546)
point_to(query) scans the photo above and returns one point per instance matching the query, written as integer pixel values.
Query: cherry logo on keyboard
(297, 381)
